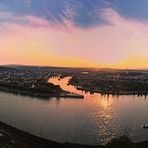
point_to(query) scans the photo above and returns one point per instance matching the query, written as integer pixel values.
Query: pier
(71, 95)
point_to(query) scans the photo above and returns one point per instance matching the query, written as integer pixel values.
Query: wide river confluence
(92, 120)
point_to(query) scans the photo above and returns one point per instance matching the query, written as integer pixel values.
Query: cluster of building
(112, 82)
(22, 78)
(28, 82)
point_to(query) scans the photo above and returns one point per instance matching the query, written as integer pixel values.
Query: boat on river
(145, 125)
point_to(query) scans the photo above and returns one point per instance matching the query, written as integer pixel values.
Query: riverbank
(15, 138)
(28, 93)
(11, 137)
(93, 90)
(63, 94)
(112, 83)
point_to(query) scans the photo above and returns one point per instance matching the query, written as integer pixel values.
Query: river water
(92, 120)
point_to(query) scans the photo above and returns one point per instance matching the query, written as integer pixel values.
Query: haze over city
(74, 33)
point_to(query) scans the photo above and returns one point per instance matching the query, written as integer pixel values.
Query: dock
(71, 95)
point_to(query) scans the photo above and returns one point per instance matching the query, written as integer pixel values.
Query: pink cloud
(105, 44)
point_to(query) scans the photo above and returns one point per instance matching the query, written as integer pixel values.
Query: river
(92, 120)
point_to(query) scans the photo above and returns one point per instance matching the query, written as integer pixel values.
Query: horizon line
(48, 66)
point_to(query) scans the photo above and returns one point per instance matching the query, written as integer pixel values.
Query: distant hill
(5, 68)
(47, 68)
(66, 69)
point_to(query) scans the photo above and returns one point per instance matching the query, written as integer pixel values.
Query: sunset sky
(77, 33)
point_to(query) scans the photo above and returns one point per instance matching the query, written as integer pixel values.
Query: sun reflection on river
(98, 118)
(103, 113)
(104, 116)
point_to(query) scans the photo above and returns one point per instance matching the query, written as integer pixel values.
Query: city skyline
(89, 33)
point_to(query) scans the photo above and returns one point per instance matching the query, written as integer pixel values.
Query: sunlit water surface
(92, 120)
